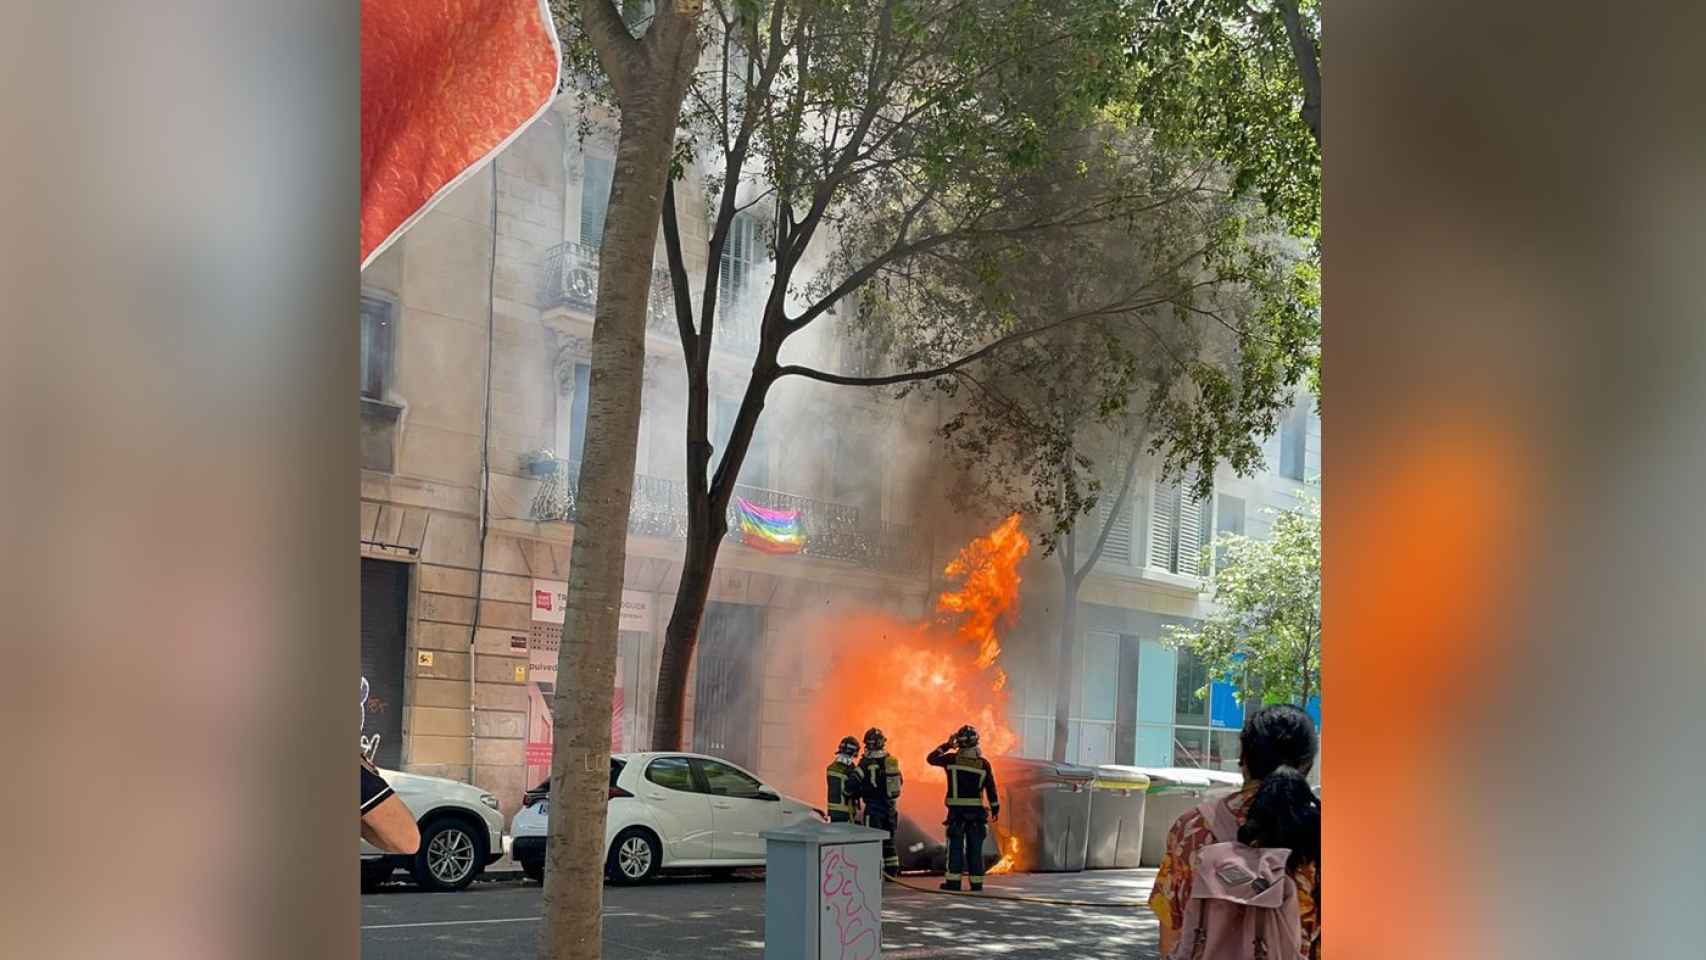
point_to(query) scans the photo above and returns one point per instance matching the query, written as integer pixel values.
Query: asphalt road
(704, 918)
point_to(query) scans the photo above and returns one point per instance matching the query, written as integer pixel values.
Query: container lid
(1114, 777)
(1024, 769)
(1164, 779)
(815, 833)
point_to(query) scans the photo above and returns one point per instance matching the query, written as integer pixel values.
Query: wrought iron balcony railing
(571, 280)
(833, 531)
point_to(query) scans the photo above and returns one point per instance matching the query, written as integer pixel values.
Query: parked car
(669, 811)
(461, 833)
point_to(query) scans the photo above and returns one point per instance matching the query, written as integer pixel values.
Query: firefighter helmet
(848, 745)
(874, 739)
(967, 736)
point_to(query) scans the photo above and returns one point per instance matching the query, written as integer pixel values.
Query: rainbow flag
(773, 531)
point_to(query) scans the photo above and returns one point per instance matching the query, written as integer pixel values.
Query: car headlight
(489, 800)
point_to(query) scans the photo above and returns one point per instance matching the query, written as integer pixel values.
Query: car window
(726, 781)
(673, 773)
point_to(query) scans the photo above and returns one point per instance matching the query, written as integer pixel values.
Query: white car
(670, 811)
(461, 833)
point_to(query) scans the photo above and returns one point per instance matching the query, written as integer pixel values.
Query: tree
(1204, 325)
(647, 66)
(898, 140)
(1239, 80)
(1267, 628)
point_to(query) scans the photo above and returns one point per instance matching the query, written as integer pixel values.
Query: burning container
(1116, 817)
(1172, 791)
(1046, 807)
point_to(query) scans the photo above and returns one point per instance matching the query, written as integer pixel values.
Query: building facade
(474, 384)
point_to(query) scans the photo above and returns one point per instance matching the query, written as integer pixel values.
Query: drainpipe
(485, 467)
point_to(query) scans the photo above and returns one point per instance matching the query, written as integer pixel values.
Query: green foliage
(1220, 77)
(1267, 626)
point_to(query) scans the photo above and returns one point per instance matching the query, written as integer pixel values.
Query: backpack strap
(1218, 816)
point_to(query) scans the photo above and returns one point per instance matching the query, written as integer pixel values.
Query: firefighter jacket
(881, 774)
(970, 780)
(846, 786)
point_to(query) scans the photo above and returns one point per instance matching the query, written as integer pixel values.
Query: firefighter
(970, 780)
(880, 771)
(846, 783)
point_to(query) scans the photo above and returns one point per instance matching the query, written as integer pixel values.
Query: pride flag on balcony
(773, 531)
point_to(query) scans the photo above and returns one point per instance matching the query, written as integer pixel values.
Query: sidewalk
(1123, 889)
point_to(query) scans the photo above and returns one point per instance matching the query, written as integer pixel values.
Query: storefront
(636, 674)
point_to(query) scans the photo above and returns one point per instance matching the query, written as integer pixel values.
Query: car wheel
(450, 856)
(533, 870)
(375, 873)
(634, 857)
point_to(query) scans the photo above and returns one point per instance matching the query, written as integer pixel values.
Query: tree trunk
(1064, 650)
(650, 78)
(681, 637)
(1307, 55)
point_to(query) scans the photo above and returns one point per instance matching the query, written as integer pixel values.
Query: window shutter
(1163, 525)
(1118, 549)
(595, 199)
(1190, 532)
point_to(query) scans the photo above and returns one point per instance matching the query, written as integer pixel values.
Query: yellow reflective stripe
(840, 808)
(951, 877)
(958, 802)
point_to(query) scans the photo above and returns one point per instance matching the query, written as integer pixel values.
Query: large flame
(918, 682)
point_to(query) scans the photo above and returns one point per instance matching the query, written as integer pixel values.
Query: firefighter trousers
(885, 820)
(966, 833)
(840, 816)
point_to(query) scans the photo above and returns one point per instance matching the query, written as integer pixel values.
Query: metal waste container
(1172, 791)
(1047, 807)
(1116, 818)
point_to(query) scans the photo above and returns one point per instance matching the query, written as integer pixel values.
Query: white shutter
(1118, 548)
(1163, 524)
(1190, 530)
(1176, 528)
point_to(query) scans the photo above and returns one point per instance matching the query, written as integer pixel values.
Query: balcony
(833, 531)
(570, 278)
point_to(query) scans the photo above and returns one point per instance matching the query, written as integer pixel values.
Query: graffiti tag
(857, 929)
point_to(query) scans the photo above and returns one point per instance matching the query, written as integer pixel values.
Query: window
(595, 198)
(740, 255)
(1190, 748)
(725, 781)
(1228, 519)
(1175, 528)
(376, 329)
(571, 416)
(1192, 676)
(857, 477)
(1294, 442)
(672, 773)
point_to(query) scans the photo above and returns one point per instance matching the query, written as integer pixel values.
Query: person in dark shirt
(970, 781)
(385, 820)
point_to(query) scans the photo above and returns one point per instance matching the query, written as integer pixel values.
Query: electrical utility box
(823, 892)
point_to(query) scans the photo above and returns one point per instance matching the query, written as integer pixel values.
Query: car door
(741, 809)
(679, 809)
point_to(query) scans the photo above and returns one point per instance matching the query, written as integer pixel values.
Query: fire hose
(1052, 901)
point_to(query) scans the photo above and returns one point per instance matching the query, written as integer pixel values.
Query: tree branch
(1308, 58)
(680, 288)
(616, 47)
(809, 373)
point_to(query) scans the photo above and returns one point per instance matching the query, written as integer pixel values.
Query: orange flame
(918, 682)
(1011, 850)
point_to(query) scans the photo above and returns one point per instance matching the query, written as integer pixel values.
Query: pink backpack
(1243, 904)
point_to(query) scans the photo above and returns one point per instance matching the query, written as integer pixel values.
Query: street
(702, 918)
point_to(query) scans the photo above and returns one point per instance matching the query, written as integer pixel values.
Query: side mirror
(765, 793)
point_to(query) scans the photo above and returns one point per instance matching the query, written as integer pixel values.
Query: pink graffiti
(845, 895)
